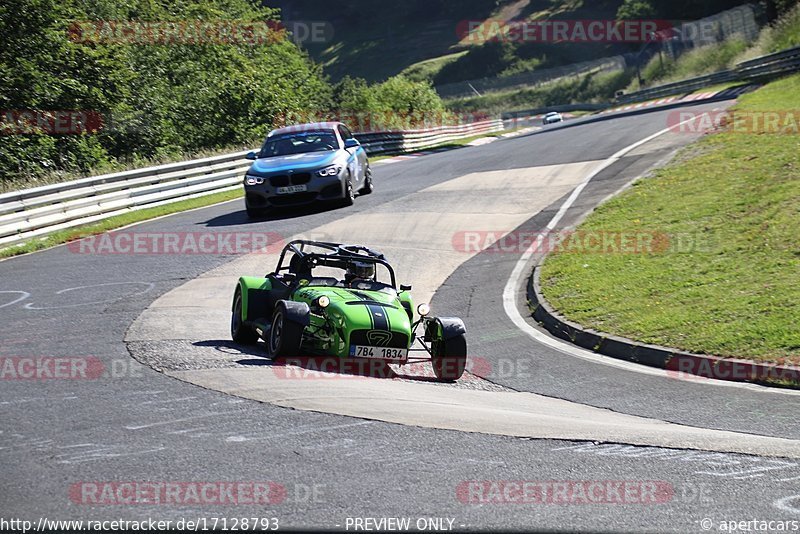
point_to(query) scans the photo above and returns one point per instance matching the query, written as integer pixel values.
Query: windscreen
(299, 143)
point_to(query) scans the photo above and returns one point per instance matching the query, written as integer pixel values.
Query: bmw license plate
(378, 353)
(291, 189)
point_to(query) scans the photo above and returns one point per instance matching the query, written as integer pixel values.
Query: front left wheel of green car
(285, 336)
(241, 333)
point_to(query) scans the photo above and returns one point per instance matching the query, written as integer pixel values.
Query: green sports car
(305, 309)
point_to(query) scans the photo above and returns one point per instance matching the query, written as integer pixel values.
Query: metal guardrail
(778, 63)
(398, 142)
(763, 67)
(683, 86)
(36, 212)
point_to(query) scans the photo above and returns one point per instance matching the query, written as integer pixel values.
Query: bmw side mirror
(351, 143)
(405, 287)
(251, 155)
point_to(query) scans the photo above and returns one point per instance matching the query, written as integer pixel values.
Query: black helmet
(360, 269)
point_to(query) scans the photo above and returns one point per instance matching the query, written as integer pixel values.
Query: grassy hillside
(783, 33)
(375, 40)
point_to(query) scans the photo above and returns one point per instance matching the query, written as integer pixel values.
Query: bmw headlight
(253, 180)
(331, 170)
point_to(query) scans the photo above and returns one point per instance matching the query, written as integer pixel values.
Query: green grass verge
(71, 234)
(732, 288)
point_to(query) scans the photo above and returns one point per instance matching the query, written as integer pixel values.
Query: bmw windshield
(299, 143)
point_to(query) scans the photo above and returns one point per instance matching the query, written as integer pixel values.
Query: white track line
(520, 271)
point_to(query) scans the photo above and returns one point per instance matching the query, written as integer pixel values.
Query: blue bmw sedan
(306, 163)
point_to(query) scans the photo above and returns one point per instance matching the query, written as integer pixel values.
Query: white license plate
(291, 189)
(378, 353)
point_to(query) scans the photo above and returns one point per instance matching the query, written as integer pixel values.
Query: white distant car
(553, 116)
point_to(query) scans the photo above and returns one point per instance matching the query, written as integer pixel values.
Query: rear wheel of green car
(449, 357)
(241, 333)
(284, 335)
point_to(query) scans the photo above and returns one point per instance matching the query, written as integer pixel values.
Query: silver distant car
(306, 163)
(553, 116)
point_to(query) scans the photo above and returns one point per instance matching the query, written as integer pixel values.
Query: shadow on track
(239, 218)
(321, 367)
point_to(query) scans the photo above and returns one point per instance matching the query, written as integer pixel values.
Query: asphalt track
(135, 423)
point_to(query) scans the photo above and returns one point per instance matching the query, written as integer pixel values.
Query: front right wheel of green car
(448, 356)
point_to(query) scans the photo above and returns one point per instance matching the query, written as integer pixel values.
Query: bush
(157, 100)
(401, 95)
(785, 33)
(396, 103)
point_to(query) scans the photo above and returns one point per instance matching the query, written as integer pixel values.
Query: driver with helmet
(359, 271)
